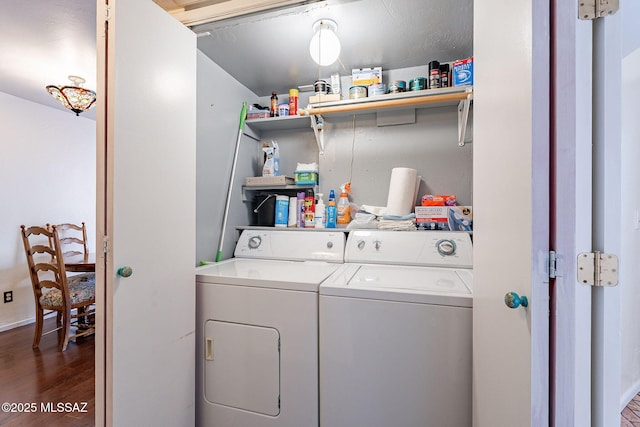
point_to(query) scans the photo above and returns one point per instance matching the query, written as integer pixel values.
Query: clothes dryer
(395, 332)
(257, 329)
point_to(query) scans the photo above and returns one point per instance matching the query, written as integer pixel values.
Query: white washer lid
(426, 285)
(293, 275)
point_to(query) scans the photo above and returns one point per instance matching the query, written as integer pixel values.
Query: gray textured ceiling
(270, 51)
(44, 41)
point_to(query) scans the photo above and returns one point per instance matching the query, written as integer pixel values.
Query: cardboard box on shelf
(455, 218)
(463, 72)
(257, 114)
(366, 76)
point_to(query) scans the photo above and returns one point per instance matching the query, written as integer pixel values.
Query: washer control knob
(329, 244)
(254, 242)
(446, 247)
(360, 244)
(376, 244)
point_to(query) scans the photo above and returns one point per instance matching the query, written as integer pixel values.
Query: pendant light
(75, 98)
(325, 45)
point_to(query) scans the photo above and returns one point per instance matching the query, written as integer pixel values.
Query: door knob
(125, 271)
(513, 300)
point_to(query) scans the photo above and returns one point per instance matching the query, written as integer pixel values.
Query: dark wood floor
(57, 387)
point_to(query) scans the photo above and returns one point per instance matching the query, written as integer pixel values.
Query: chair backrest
(73, 238)
(44, 259)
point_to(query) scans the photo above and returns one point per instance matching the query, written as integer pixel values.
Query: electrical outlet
(8, 296)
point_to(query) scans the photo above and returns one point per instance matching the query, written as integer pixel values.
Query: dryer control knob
(360, 244)
(329, 245)
(254, 242)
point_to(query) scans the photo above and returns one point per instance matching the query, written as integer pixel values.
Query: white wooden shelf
(460, 95)
(418, 99)
(278, 123)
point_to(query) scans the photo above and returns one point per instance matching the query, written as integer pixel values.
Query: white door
(146, 124)
(587, 377)
(511, 212)
(511, 166)
(571, 233)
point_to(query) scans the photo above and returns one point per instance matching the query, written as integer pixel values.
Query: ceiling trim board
(228, 9)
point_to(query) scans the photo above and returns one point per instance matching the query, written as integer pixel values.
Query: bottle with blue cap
(332, 212)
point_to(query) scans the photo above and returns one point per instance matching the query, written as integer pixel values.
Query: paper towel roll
(402, 190)
(293, 212)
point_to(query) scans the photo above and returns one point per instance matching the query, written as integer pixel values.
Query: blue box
(463, 72)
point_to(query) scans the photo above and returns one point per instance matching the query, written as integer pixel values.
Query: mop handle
(243, 115)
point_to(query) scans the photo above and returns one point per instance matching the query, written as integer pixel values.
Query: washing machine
(396, 332)
(257, 329)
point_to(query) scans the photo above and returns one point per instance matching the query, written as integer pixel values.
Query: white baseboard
(17, 324)
(629, 394)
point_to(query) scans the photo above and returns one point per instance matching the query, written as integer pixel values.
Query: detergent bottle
(344, 213)
(319, 215)
(332, 213)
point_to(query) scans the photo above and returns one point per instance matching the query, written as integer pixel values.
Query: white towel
(397, 225)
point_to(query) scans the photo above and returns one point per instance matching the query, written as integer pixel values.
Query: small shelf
(278, 123)
(272, 188)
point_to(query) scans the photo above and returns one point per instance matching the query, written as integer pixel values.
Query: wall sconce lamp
(75, 98)
(325, 45)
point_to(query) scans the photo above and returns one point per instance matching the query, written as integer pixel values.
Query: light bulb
(325, 45)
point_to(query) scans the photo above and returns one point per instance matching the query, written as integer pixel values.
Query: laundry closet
(361, 148)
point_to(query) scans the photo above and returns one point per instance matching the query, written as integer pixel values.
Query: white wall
(218, 116)
(47, 175)
(630, 227)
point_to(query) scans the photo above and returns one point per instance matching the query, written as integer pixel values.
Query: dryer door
(242, 368)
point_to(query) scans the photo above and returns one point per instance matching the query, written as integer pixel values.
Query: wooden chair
(73, 239)
(72, 297)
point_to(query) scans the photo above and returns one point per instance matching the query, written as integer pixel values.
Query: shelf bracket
(463, 118)
(317, 123)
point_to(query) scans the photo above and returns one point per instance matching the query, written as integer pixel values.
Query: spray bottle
(332, 213)
(319, 214)
(309, 209)
(344, 213)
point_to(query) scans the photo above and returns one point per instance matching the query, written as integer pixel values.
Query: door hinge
(107, 12)
(597, 269)
(105, 244)
(553, 270)
(592, 9)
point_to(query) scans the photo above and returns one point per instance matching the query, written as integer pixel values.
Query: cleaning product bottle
(309, 209)
(273, 107)
(332, 214)
(319, 215)
(344, 213)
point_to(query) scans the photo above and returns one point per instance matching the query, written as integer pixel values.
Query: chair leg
(66, 331)
(37, 334)
(58, 318)
(82, 320)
